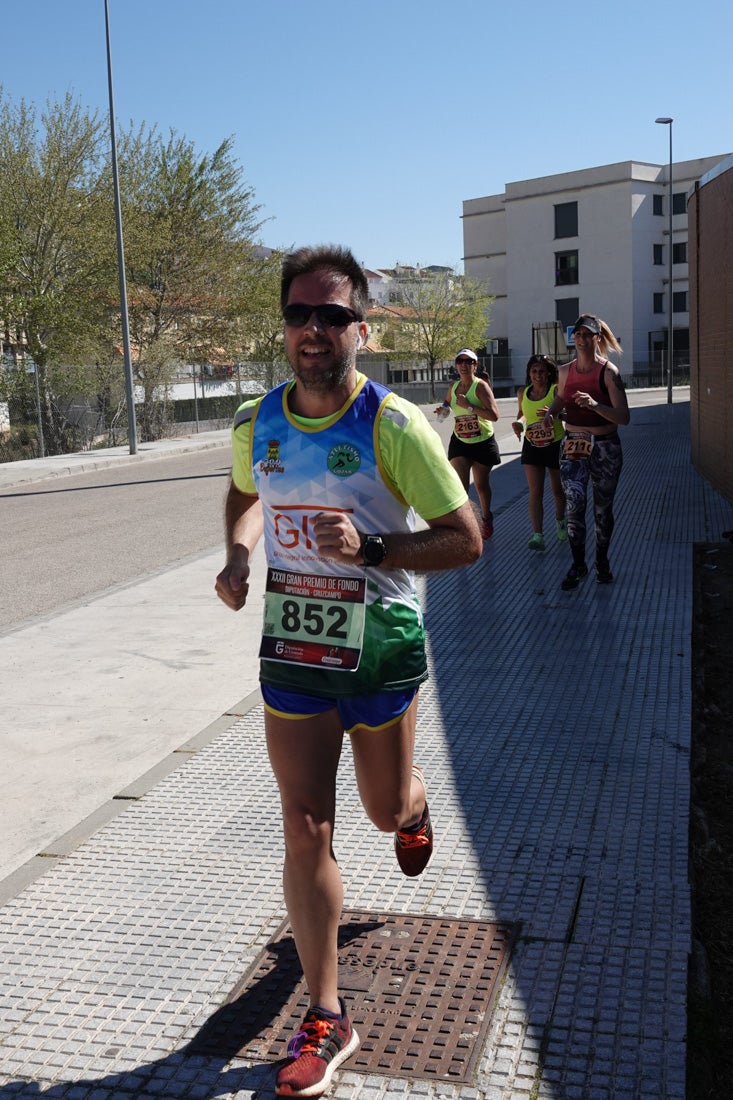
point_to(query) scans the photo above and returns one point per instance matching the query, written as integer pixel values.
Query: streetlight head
(664, 121)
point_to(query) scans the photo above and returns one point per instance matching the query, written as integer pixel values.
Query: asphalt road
(68, 539)
(71, 538)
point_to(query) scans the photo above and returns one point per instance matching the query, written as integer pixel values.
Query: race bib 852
(314, 620)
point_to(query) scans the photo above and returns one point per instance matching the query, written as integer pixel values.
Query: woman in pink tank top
(592, 393)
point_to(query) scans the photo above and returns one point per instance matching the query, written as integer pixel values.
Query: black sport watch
(373, 549)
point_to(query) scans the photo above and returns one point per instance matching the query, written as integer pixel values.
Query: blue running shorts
(372, 712)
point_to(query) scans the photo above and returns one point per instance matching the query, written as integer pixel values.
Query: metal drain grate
(420, 991)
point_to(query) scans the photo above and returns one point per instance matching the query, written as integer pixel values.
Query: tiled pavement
(554, 732)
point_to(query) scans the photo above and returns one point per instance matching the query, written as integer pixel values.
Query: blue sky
(369, 124)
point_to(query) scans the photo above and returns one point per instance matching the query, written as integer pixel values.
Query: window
(658, 253)
(567, 311)
(566, 268)
(679, 202)
(679, 301)
(679, 253)
(566, 219)
(657, 205)
(659, 303)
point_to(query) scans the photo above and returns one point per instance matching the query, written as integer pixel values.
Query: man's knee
(386, 820)
(306, 833)
(390, 814)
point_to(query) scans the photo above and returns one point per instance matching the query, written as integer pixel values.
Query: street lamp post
(129, 385)
(670, 338)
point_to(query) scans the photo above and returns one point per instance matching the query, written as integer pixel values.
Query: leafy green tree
(261, 321)
(199, 291)
(440, 313)
(189, 223)
(57, 255)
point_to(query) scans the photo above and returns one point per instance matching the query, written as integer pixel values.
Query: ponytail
(607, 340)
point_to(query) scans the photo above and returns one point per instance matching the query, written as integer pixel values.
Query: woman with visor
(592, 393)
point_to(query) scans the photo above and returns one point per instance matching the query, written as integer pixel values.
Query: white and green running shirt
(332, 629)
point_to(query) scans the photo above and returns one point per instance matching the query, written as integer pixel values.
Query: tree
(194, 275)
(439, 313)
(189, 223)
(261, 319)
(58, 249)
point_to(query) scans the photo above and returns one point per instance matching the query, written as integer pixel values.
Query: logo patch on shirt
(272, 464)
(343, 460)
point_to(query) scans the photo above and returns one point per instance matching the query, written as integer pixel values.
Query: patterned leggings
(603, 467)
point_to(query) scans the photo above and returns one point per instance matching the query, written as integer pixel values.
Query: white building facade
(593, 241)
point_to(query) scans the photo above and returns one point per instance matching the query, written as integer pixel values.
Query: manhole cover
(420, 992)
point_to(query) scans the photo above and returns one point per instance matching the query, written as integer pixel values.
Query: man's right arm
(243, 519)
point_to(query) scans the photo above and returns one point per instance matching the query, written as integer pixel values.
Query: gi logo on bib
(343, 460)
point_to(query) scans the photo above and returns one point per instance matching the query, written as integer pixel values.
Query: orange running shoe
(414, 847)
(322, 1044)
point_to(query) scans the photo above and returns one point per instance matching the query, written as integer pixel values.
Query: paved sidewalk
(555, 736)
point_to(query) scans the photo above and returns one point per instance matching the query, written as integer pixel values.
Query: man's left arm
(416, 463)
(450, 541)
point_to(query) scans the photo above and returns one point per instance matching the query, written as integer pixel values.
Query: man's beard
(325, 379)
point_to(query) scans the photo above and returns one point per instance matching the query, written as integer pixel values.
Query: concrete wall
(710, 258)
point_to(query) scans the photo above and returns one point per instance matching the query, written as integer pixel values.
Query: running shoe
(537, 542)
(322, 1044)
(603, 573)
(487, 526)
(573, 577)
(414, 847)
(562, 530)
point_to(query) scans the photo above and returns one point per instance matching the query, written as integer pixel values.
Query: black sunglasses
(329, 315)
(464, 359)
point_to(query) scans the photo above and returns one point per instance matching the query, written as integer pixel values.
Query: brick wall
(710, 253)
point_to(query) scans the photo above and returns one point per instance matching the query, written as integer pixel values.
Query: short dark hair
(337, 261)
(546, 361)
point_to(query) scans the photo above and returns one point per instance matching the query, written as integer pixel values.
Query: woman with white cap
(473, 447)
(592, 393)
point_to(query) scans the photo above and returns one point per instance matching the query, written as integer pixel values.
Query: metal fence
(34, 421)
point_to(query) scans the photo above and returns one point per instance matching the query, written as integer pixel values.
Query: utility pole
(129, 387)
(670, 316)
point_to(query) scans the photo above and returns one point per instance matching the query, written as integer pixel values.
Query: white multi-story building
(385, 283)
(592, 241)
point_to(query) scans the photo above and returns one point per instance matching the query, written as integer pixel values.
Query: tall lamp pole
(670, 337)
(129, 387)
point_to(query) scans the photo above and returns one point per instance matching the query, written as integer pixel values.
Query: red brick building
(710, 251)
